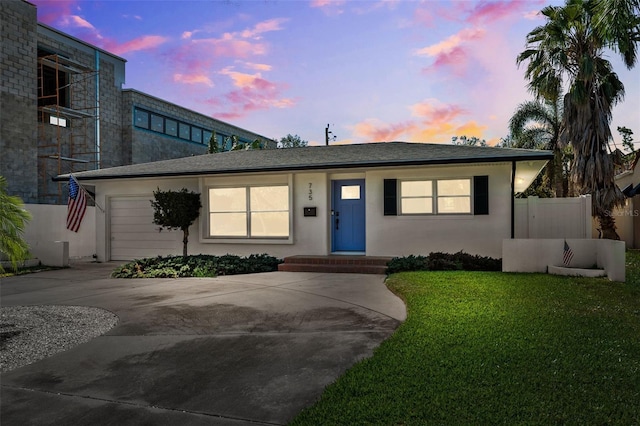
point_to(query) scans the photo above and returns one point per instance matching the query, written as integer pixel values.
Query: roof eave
(364, 164)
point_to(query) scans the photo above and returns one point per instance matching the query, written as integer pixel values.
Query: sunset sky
(419, 71)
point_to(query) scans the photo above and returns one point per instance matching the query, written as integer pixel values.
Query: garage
(133, 233)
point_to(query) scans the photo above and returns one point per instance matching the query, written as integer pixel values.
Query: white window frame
(248, 237)
(435, 197)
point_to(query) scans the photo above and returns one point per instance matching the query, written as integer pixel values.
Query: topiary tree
(176, 210)
(13, 220)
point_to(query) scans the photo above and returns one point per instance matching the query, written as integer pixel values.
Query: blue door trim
(348, 215)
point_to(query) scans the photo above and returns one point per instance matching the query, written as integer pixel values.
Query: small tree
(13, 219)
(176, 210)
(292, 141)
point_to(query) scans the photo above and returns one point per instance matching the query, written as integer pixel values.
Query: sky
(374, 71)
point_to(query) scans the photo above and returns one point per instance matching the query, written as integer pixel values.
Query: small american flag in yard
(567, 255)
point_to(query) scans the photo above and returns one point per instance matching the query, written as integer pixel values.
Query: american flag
(77, 205)
(567, 255)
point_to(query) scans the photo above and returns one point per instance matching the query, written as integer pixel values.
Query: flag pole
(87, 192)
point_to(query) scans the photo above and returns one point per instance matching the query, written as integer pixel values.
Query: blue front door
(347, 215)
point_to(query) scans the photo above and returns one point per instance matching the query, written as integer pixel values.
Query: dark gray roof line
(381, 154)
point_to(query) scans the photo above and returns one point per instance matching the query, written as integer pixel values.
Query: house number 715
(310, 192)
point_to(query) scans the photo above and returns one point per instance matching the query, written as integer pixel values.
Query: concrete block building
(63, 109)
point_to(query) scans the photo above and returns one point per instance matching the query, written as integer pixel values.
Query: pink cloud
(329, 7)
(376, 131)
(453, 42)
(258, 67)
(490, 11)
(193, 79)
(51, 12)
(432, 111)
(457, 61)
(77, 21)
(230, 47)
(264, 27)
(141, 43)
(424, 17)
(254, 93)
(325, 3)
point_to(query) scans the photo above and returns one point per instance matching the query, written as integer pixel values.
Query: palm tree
(536, 125)
(570, 49)
(13, 219)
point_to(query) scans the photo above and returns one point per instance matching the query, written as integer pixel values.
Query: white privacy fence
(553, 217)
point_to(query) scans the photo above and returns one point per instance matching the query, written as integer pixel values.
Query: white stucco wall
(49, 224)
(385, 235)
(405, 235)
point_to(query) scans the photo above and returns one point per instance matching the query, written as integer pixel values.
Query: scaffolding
(68, 111)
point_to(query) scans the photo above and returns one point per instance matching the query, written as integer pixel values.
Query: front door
(347, 216)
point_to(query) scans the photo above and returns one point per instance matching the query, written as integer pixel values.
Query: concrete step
(335, 264)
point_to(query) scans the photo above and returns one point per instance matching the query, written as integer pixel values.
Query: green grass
(498, 348)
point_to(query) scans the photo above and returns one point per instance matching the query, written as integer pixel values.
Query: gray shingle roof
(315, 158)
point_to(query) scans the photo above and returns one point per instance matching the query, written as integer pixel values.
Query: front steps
(335, 264)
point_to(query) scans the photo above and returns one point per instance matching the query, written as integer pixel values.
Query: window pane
(172, 127)
(185, 131)
(270, 224)
(416, 188)
(351, 192)
(269, 198)
(227, 200)
(220, 140)
(417, 205)
(454, 204)
(454, 187)
(142, 119)
(206, 136)
(228, 224)
(196, 135)
(157, 123)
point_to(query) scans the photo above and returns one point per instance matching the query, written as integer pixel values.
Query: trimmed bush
(196, 266)
(438, 261)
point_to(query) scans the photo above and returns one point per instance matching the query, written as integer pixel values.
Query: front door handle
(337, 223)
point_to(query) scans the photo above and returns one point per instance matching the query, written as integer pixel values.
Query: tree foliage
(536, 125)
(176, 210)
(232, 143)
(567, 54)
(13, 221)
(292, 141)
(470, 141)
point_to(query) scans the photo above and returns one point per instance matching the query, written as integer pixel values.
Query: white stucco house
(378, 199)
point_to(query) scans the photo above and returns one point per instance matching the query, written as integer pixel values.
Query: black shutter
(390, 197)
(481, 195)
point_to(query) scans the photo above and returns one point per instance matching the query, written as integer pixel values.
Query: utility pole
(326, 135)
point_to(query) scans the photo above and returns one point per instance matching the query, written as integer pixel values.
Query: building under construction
(63, 109)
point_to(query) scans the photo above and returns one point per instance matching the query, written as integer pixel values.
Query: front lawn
(498, 348)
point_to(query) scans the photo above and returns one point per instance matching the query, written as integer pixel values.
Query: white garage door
(133, 233)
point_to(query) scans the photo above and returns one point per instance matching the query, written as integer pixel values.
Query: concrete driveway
(244, 349)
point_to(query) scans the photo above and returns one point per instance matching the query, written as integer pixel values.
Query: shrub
(196, 266)
(438, 261)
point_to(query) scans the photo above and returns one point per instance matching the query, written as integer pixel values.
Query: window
(350, 192)
(142, 119)
(184, 131)
(206, 136)
(454, 196)
(196, 135)
(249, 212)
(171, 127)
(416, 197)
(445, 196)
(157, 123)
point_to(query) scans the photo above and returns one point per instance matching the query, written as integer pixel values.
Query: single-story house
(378, 199)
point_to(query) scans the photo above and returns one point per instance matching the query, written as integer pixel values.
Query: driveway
(244, 349)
